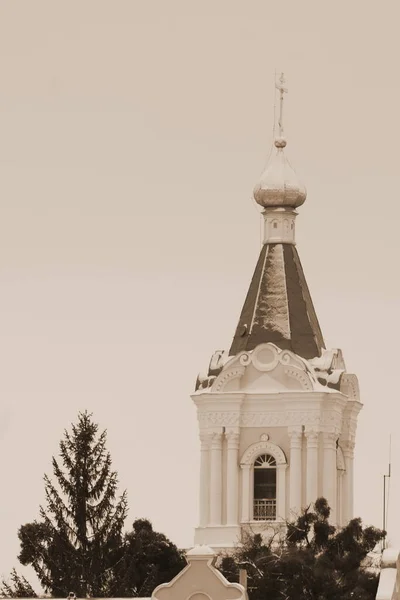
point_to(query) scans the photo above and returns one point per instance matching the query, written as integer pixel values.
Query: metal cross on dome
(280, 85)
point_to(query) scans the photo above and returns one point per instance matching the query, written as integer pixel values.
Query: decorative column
(281, 489)
(295, 436)
(232, 478)
(312, 465)
(216, 480)
(339, 496)
(205, 439)
(329, 477)
(348, 482)
(245, 493)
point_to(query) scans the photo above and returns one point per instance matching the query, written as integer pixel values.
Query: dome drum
(279, 225)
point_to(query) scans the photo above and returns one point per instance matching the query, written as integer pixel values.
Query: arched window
(263, 482)
(264, 507)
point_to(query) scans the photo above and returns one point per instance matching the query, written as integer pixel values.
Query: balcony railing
(264, 510)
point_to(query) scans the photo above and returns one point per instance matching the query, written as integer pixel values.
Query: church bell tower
(277, 413)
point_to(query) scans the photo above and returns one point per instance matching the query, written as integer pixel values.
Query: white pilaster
(312, 465)
(216, 480)
(281, 489)
(232, 480)
(295, 436)
(245, 493)
(205, 439)
(348, 482)
(329, 477)
(339, 495)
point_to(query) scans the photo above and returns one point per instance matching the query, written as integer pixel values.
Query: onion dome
(279, 185)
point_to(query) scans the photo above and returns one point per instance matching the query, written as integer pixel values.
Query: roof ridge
(258, 292)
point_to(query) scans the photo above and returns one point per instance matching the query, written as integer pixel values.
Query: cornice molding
(329, 421)
(324, 397)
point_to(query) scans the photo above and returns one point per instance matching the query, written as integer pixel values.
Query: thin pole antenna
(385, 509)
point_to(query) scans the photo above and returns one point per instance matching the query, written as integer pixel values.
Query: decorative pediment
(267, 367)
(229, 376)
(199, 580)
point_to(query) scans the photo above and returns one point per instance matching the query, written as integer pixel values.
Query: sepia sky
(131, 135)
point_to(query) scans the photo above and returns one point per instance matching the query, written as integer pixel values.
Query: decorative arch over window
(263, 447)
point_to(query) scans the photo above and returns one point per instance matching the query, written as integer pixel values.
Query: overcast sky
(131, 135)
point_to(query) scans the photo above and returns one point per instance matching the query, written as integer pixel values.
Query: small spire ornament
(280, 86)
(279, 186)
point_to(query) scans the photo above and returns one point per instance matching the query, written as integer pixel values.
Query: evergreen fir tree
(18, 587)
(77, 542)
